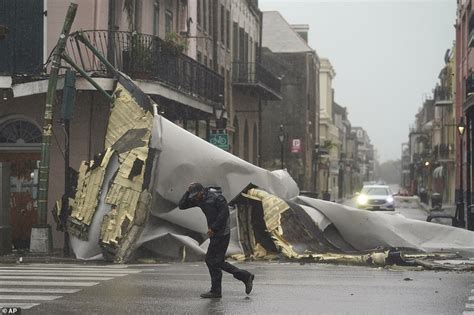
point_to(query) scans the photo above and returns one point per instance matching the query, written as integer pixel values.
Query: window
(204, 11)
(199, 3)
(235, 43)
(222, 27)
(18, 131)
(211, 15)
(137, 15)
(199, 57)
(246, 141)
(156, 18)
(227, 27)
(169, 22)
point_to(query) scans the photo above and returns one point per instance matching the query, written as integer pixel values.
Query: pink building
(147, 41)
(464, 104)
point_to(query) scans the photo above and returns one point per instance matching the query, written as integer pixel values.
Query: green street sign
(220, 140)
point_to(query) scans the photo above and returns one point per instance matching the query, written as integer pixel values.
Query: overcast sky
(387, 56)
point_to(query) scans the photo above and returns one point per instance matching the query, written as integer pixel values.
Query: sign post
(220, 139)
(296, 146)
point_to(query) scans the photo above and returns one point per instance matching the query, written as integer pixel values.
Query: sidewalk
(18, 257)
(449, 209)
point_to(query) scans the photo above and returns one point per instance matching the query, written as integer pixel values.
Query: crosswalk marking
(123, 271)
(30, 297)
(26, 285)
(54, 278)
(59, 273)
(38, 290)
(46, 283)
(471, 298)
(23, 306)
(468, 313)
(72, 266)
(469, 305)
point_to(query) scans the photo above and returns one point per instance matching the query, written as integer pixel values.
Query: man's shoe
(211, 295)
(249, 284)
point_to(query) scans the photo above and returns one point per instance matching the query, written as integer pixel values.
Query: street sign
(220, 140)
(295, 146)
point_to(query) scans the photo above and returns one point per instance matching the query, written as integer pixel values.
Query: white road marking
(39, 282)
(468, 313)
(471, 298)
(60, 273)
(469, 305)
(54, 278)
(49, 284)
(23, 306)
(111, 266)
(38, 290)
(72, 269)
(30, 297)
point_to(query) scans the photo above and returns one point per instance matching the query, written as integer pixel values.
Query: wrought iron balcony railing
(148, 57)
(443, 152)
(469, 84)
(442, 96)
(253, 73)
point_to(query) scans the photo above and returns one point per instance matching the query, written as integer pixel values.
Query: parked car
(376, 197)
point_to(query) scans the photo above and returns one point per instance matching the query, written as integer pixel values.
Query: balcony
(470, 39)
(253, 76)
(442, 96)
(469, 96)
(444, 152)
(148, 57)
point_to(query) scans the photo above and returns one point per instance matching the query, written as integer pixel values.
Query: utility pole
(41, 240)
(69, 95)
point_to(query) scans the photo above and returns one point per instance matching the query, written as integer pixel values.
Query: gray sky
(387, 56)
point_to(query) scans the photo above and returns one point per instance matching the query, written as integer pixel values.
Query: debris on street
(126, 204)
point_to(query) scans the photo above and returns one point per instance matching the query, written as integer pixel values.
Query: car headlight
(362, 199)
(390, 199)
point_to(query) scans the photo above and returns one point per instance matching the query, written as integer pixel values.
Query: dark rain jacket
(215, 209)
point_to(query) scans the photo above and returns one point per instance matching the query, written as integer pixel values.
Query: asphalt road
(279, 288)
(416, 214)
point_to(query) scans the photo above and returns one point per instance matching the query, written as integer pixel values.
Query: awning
(438, 172)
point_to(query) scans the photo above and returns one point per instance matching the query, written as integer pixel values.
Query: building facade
(145, 39)
(464, 108)
(290, 128)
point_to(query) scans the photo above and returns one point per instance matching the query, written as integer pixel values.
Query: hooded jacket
(215, 208)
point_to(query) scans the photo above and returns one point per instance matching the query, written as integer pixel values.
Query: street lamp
(281, 136)
(460, 205)
(221, 122)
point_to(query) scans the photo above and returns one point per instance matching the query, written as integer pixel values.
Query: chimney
(302, 30)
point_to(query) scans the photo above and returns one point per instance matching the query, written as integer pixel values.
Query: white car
(376, 197)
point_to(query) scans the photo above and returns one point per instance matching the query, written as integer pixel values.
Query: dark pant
(215, 260)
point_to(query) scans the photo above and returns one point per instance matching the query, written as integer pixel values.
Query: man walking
(215, 208)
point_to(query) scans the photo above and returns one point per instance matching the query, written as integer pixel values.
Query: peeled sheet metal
(158, 156)
(366, 230)
(90, 248)
(184, 158)
(115, 201)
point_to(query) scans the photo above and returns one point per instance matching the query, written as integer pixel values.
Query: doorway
(20, 144)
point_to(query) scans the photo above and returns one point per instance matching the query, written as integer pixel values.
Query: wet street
(416, 214)
(279, 288)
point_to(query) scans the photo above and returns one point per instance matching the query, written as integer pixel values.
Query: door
(20, 144)
(23, 193)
